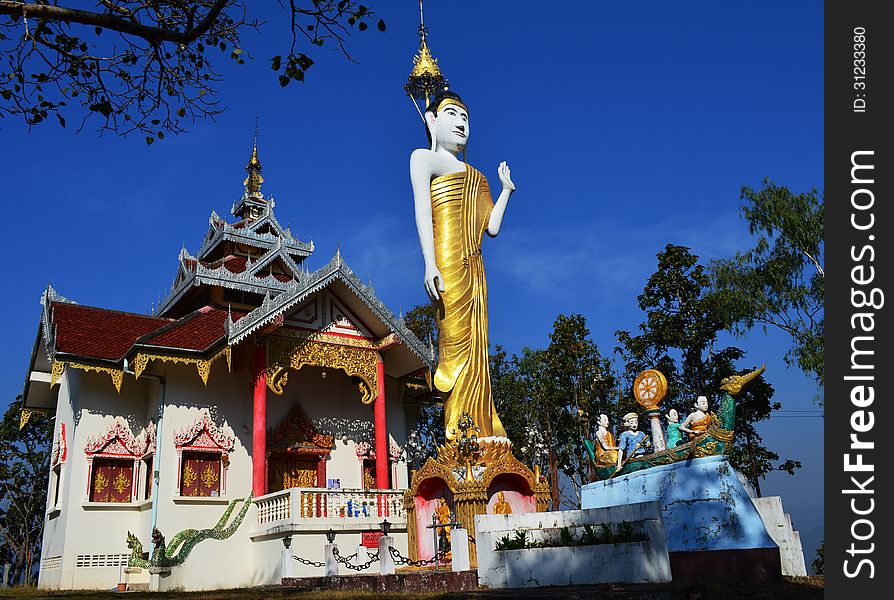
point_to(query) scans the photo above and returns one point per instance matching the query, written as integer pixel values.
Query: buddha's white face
(451, 127)
(701, 403)
(603, 421)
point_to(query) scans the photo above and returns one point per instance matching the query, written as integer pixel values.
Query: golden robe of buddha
(461, 207)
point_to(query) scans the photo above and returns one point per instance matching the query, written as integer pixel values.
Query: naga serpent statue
(183, 542)
(715, 441)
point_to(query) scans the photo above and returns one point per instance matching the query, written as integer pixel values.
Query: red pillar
(259, 431)
(381, 432)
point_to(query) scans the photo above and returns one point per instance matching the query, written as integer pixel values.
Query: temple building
(262, 404)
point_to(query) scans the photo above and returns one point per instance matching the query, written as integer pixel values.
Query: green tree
(780, 282)
(144, 66)
(819, 563)
(428, 432)
(24, 466)
(548, 400)
(679, 337)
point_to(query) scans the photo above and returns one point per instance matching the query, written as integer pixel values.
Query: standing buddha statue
(454, 209)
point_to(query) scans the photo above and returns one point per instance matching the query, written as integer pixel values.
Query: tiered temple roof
(244, 279)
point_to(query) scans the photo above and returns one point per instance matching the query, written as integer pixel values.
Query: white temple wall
(333, 404)
(56, 565)
(227, 396)
(94, 534)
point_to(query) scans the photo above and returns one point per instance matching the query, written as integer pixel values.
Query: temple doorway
(286, 472)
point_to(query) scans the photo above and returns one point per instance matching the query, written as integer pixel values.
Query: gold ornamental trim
(432, 468)
(723, 435)
(490, 451)
(508, 465)
(203, 365)
(58, 368)
(324, 337)
(285, 353)
(25, 415)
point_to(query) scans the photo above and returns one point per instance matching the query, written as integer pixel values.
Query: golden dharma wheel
(649, 388)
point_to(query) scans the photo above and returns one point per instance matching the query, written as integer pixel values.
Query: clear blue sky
(627, 126)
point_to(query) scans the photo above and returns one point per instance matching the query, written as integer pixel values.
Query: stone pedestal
(286, 561)
(330, 564)
(136, 579)
(159, 579)
(714, 532)
(362, 555)
(459, 550)
(386, 561)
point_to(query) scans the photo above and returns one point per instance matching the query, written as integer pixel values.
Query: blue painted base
(704, 506)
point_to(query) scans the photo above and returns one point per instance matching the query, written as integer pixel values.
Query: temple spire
(254, 180)
(253, 204)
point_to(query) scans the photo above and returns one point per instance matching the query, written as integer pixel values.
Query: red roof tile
(196, 331)
(98, 332)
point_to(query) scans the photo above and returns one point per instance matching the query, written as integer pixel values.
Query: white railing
(319, 505)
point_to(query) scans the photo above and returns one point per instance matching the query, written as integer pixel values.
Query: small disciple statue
(632, 442)
(674, 436)
(442, 513)
(698, 420)
(606, 450)
(501, 507)
(454, 210)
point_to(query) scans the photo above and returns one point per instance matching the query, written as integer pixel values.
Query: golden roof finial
(425, 77)
(254, 180)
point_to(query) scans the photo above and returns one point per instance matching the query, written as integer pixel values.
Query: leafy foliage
(679, 337)
(588, 535)
(548, 400)
(24, 461)
(143, 66)
(428, 433)
(780, 282)
(819, 563)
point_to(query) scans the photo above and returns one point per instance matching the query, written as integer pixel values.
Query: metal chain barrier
(399, 559)
(346, 561)
(310, 563)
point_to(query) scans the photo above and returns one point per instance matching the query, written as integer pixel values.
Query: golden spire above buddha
(425, 80)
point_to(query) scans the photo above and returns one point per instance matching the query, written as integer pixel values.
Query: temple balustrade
(320, 509)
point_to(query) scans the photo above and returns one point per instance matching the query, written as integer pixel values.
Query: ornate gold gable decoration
(58, 368)
(203, 366)
(296, 431)
(284, 353)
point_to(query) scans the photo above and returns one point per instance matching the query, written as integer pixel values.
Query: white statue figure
(454, 209)
(632, 442)
(698, 420)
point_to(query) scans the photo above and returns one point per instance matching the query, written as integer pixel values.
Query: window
(111, 480)
(369, 474)
(200, 474)
(147, 478)
(57, 479)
